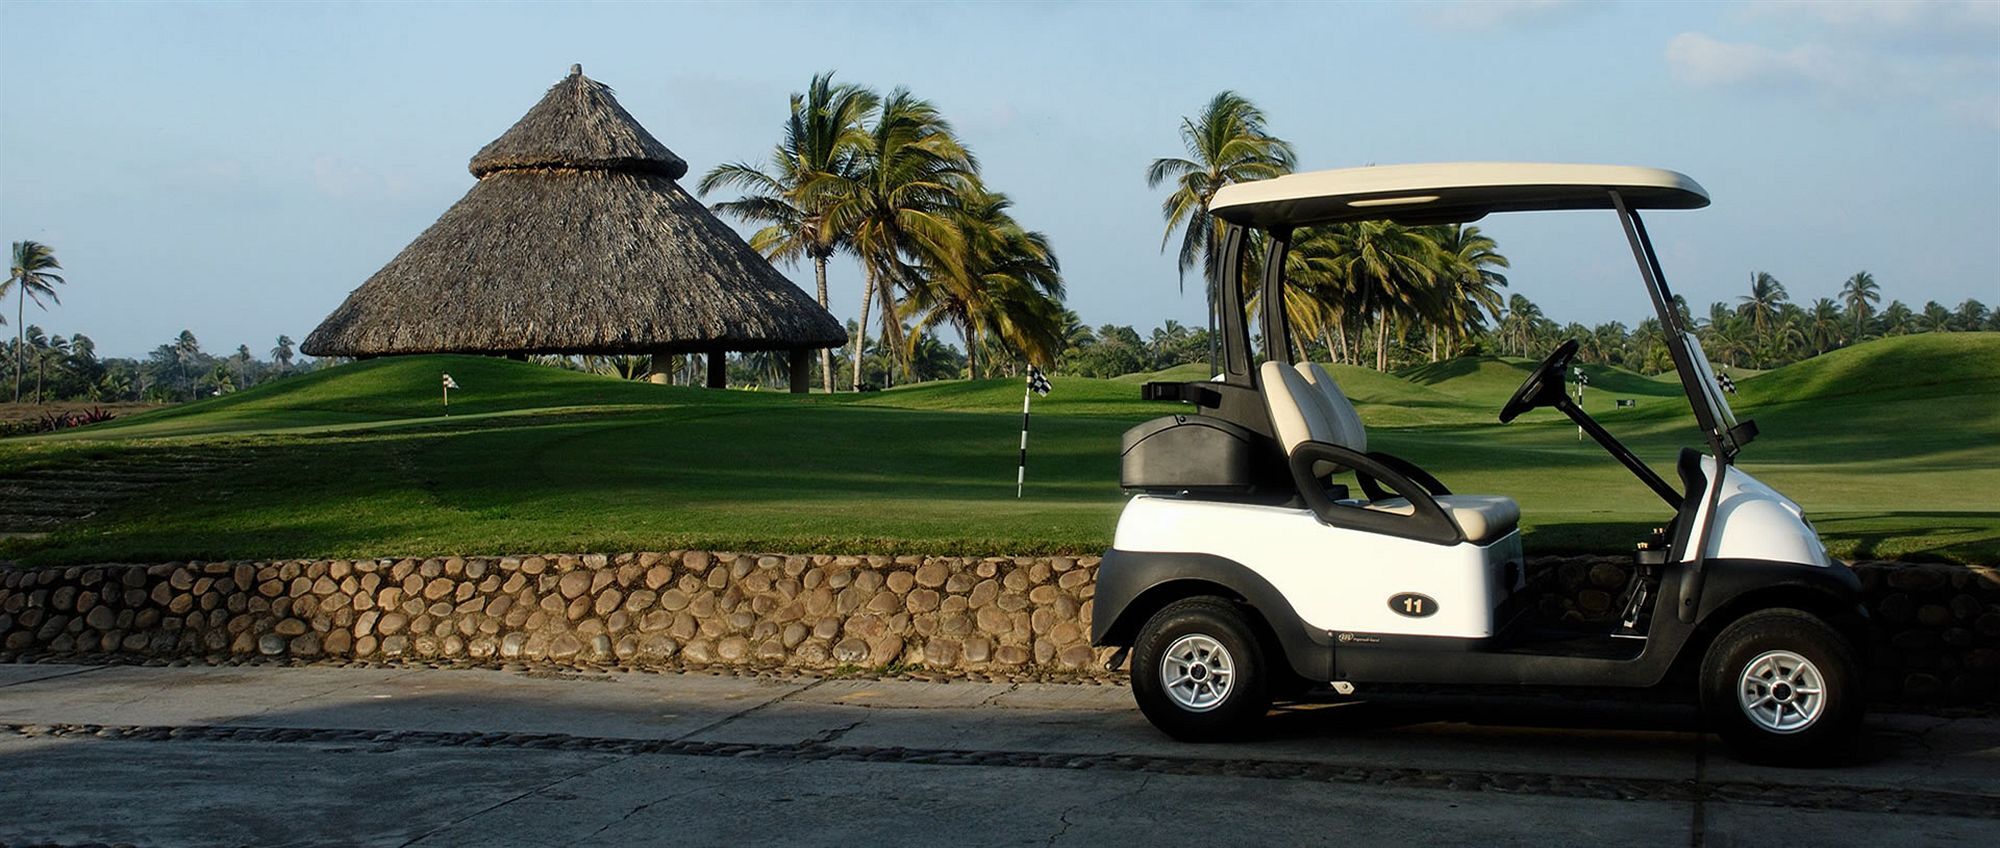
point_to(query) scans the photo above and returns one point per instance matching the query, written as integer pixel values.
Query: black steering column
(1544, 387)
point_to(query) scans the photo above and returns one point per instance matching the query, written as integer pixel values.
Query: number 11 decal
(1413, 605)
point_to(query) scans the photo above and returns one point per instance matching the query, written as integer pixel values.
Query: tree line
(1763, 328)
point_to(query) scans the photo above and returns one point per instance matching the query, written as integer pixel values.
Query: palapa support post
(659, 370)
(718, 369)
(801, 371)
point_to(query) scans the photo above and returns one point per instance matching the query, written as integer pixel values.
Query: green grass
(1892, 446)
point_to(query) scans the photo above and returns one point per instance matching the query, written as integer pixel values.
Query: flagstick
(447, 401)
(1021, 471)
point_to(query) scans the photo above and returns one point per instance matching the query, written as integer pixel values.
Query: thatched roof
(576, 239)
(579, 124)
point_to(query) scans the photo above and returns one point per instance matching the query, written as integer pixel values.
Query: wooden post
(718, 369)
(801, 371)
(660, 370)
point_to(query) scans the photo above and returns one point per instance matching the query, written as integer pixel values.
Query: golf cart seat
(1313, 409)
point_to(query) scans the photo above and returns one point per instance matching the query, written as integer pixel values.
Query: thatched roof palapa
(576, 239)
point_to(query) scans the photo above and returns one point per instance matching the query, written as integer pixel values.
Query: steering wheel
(1544, 387)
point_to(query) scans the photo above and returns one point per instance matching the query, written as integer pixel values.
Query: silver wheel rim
(1781, 692)
(1197, 672)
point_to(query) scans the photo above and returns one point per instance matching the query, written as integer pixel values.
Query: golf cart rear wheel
(1781, 686)
(1198, 671)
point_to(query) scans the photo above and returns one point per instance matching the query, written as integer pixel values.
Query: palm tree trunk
(971, 354)
(825, 353)
(20, 312)
(1382, 344)
(861, 327)
(892, 335)
(1326, 335)
(1214, 367)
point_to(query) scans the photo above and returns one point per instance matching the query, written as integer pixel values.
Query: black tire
(1739, 655)
(1240, 705)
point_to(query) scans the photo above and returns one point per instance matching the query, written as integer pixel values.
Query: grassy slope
(355, 461)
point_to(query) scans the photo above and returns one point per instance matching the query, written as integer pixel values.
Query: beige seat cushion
(1339, 413)
(1302, 406)
(1483, 518)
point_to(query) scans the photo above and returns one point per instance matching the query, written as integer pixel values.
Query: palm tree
(1386, 270)
(1225, 144)
(1076, 335)
(1897, 319)
(1166, 343)
(1761, 304)
(1970, 315)
(31, 276)
(1823, 325)
(42, 347)
(282, 354)
(1521, 324)
(1786, 337)
(898, 206)
(1611, 339)
(1860, 293)
(1006, 286)
(186, 351)
(1649, 345)
(1935, 318)
(824, 136)
(1468, 257)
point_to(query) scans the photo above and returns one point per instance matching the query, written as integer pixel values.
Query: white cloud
(1499, 14)
(1704, 60)
(1902, 56)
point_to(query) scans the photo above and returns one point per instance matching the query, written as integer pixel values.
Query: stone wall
(1936, 629)
(681, 607)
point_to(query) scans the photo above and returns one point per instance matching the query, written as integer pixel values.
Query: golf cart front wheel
(1782, 686)
(1198, 671)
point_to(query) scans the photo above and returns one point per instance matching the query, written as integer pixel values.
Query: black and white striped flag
(1727, 384)
(449, 384)
(1037, 381)
(1038, 384)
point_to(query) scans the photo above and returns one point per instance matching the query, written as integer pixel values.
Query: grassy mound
(1939, 366)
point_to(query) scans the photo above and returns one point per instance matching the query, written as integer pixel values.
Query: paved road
(309, 756)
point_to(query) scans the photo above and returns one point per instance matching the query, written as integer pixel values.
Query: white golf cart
(1245, 570)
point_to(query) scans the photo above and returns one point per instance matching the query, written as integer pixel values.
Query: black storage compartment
(1189, 453)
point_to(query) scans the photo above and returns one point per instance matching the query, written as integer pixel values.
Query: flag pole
(1021, 471)
(1038, 383)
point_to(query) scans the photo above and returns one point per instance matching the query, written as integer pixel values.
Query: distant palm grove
(885, 181)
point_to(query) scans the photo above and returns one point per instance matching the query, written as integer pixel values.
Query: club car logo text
(1413, 605)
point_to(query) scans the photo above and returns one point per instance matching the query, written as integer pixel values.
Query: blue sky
(235, 169)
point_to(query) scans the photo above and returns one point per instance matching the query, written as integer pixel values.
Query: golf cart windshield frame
(1725, 436)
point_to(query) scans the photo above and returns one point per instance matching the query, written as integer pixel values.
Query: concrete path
(327, 756)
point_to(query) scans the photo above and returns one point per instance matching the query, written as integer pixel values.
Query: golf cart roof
(1444, 193)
